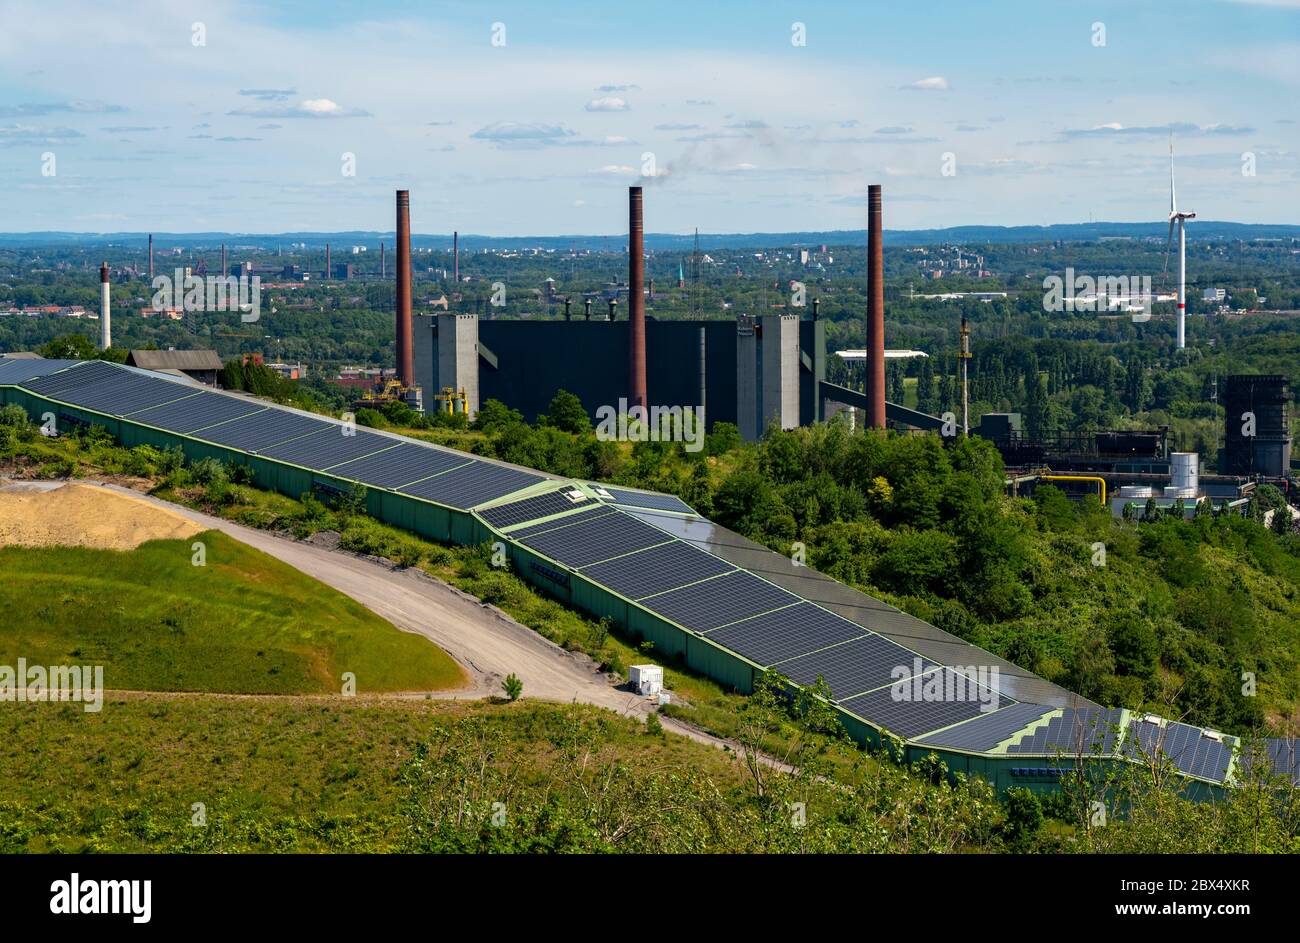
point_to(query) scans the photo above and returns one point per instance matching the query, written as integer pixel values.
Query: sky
(518, 119)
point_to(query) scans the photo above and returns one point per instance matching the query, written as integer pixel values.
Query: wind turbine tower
(1181, 220)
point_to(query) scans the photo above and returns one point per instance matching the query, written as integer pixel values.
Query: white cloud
(77, 106)
(936, 83)
(522, 134)
(269, 94)
(609, 103)
(308, 108)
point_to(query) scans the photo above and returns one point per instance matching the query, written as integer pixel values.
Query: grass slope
(243, 623)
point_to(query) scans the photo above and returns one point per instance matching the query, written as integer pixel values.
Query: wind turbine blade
(1173, 199)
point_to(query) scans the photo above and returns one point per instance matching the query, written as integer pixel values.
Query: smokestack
(613, 303)
(383, 262)
(587, 305)
(875, 311)
(405, 360)
(329, 269)
(224, 271)
(817, 307)
(151, 259)
(566, 309)
(636, 394)
(105, 312)
(455, 256)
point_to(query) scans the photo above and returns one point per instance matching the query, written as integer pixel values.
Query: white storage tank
(1136, 491)
(647, 680)
(1183, 475)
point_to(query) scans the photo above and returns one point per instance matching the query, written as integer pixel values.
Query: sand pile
(85, 516)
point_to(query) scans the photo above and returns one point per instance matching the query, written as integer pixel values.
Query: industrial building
(1257, 424)
(718, 603)
(753, 372)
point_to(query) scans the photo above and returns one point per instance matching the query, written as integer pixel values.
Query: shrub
(207, 470)
(513, 686)
(13, 416)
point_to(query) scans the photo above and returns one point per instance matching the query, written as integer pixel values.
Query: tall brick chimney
(636, 395)
(405, 357)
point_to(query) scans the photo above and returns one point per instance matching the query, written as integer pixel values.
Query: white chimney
(105, 315)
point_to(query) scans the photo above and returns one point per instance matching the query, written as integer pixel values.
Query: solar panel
(661, 502)
(731, 597)
(472, 484)
(1185, 746)
(330, 446)
(90, 371)
(108, 389)
(655, 570)
(588, 512)
(590, 541)
(854, 667)
(1073, 731)
(909, 708)
(260, 430)
(16, 371)
(401, 465)
(195, 412)
(775, 636)
(542, 505)
(988, 730)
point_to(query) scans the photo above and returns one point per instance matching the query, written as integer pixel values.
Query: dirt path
(485, 641)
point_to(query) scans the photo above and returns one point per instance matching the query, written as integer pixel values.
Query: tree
(512, 686)
(567, 413)
(69, 347)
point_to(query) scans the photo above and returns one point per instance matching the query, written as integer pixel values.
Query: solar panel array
(1073, 731)
(474, 483)
(587, 512)
(586, 542)
(908, 709)
(703, 607)
(775, 636)
(328, 447)
(261, 430)
(19, 370)
(192, 413)
(646, 572)
(107, 388)
(988, 730)
(640, 499)
(392, 468)
(529, 509)
(1185, 746)
(854, 667)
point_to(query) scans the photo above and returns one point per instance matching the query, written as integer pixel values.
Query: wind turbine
(1180, 219)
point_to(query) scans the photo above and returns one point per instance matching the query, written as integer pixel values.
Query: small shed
(647, 680)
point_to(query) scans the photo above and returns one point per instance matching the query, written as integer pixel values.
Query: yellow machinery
(453, 400)
(390, 391)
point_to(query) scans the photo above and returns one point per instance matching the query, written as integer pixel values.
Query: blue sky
(542, 135)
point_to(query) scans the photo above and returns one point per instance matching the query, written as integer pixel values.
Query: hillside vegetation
(241, 623)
